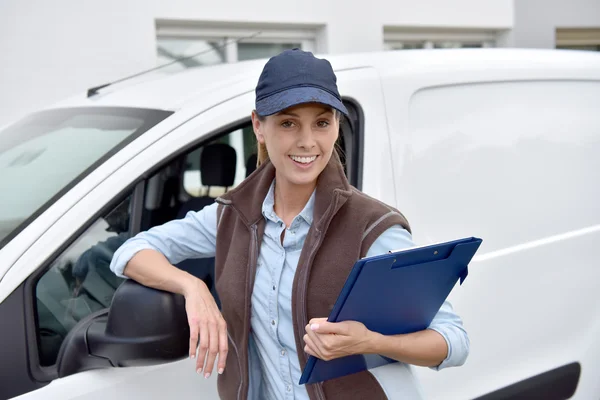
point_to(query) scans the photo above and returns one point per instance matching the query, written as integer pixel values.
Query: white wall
(50, 50)
(536, 20)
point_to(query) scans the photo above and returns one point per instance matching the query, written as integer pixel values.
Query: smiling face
(299, 140)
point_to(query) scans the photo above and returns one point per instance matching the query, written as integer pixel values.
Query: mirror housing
(143, 326)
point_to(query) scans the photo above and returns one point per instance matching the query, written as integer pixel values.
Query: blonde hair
(263, 154)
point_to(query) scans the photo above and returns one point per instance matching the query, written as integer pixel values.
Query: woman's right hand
(208, 330)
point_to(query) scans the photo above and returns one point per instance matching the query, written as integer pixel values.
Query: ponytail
(262, 155)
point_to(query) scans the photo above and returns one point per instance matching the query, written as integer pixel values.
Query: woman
(285, 240)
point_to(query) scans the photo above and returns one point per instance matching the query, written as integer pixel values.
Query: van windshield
(45, 154)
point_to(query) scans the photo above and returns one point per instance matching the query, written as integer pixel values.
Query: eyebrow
(291, 114)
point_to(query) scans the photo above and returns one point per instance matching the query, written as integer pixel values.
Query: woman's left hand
(330, 340)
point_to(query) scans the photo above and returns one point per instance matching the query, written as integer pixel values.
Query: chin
(303, 180)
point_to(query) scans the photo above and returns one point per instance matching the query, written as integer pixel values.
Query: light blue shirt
(273, 361)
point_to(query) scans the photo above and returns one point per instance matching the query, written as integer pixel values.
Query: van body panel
(511, 159)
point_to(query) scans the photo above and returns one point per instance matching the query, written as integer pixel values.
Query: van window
(44, 154)
(243, 144)
(79, 281)
(511, 162)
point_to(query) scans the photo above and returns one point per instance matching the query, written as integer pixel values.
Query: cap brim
(293, 97)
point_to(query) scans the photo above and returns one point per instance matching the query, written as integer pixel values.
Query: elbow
(465, 348)
(465, 353)
(458, 348)
(132, 264)
(117, 267)
(123, 256)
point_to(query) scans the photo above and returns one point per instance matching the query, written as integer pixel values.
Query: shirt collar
(268, 206)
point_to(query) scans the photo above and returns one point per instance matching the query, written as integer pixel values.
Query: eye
(323, 124)
(287, 124)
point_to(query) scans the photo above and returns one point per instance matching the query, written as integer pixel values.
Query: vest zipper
(237, 354)
(304, 283)
(252, 261)
(318, 387)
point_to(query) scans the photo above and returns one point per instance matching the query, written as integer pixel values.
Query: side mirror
(143, 326)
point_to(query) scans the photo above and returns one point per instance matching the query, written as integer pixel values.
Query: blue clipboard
(394, 293)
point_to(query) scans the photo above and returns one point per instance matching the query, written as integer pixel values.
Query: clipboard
(394, 293)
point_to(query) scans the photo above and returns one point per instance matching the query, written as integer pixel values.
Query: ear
(257, 126)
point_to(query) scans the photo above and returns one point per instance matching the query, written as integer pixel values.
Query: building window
(578, 39)
(215, 43)
(170, 49)
(434, 38)
(252, 51)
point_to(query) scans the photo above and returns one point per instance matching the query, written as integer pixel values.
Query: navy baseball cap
(296, 77)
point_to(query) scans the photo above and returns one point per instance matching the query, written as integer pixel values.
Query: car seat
(217, 168)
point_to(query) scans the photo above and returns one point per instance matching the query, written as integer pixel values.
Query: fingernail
(206, 376)
(220, 371)
(193, 356)
(199, 371)
(314, 327)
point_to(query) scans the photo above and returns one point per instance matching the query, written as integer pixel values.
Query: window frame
(572, 38)
(227, 35)
(49, 373)
(394, 36)
(354, 161)
(16, 358)
(136, 189)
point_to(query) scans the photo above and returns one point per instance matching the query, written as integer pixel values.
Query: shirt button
(288, 388)
(283, 352)
(272, 322)
(273, 287)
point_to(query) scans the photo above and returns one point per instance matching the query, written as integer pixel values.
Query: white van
(499, 144)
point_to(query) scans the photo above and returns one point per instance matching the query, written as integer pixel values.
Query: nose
(306, 138)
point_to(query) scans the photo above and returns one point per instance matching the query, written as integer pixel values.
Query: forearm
(151, 268)
(425, 348)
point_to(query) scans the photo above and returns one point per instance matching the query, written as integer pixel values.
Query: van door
(67, 266)
(69, 277)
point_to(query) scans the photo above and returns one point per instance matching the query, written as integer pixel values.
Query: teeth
(303, 160)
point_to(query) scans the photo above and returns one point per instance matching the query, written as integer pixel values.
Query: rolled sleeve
(126, 253)
(446, 322)
(191, 237)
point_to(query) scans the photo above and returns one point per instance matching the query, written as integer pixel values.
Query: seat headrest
(217, 165)
(251, 164)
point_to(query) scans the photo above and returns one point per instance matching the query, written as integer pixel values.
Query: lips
(303, 159)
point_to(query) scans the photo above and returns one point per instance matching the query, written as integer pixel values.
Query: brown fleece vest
(346, 222)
